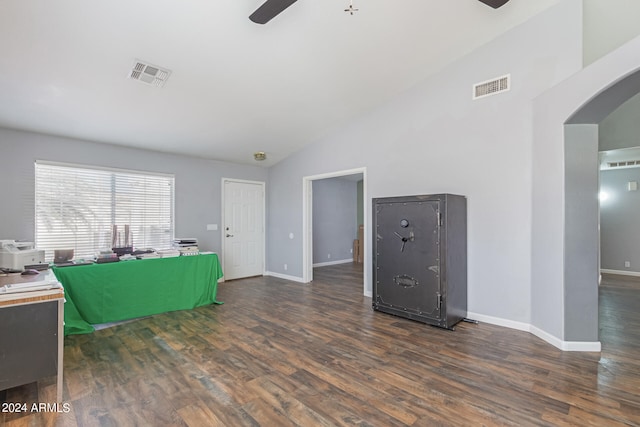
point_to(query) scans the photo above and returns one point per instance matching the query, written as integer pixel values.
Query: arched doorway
(565, 188)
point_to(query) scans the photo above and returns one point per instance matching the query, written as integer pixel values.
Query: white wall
(608, 24)
(435, 139)
(198, 181)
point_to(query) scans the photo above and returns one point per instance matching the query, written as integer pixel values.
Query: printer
(15, 255)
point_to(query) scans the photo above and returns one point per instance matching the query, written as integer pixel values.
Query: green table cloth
(103, 293)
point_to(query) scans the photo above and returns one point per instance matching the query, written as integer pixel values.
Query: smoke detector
(149, 74)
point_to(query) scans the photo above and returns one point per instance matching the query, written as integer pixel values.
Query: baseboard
(520, 326)
(284, 276)
(594, 347)
(299, 280)
(341, 261)
(554, 341)
(621, 272)
(586, 346)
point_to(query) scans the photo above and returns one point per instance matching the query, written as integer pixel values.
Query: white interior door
(243, 229)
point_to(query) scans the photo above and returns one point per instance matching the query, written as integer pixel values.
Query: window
(76, 207)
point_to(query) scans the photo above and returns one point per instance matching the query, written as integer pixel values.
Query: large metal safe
(420, 258)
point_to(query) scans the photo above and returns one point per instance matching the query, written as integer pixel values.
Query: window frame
(113, 206)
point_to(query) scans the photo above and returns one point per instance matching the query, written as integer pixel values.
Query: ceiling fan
(272, 8)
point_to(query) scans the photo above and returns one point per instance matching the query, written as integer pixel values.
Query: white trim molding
(585, 346)
(594, 347)
(307, 223)
(284, 276)
(499, 322)
(340, 261)
(620, 272)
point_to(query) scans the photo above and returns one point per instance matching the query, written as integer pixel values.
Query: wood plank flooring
(279, 353)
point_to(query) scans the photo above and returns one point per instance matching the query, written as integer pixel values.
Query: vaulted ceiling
(235, 87)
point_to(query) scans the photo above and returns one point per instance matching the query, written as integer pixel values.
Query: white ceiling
(236, 87)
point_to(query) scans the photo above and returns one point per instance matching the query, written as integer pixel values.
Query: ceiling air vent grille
(492, 87)
(149, 74)
(625, 163)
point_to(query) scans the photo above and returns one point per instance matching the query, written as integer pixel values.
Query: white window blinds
(76, 207)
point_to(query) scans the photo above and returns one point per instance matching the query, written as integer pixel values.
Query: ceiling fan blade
(494, 3)
(269, 10)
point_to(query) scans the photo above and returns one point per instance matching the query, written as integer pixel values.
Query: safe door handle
(229, 235)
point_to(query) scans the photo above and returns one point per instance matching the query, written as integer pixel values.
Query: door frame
(223, 223)
(307, 224)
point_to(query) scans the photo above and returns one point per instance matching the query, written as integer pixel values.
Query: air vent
(623, 164)
(492, 87)
(149, 74)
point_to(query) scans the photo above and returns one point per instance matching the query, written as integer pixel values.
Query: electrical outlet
(627, 264)
(328, 256)
(285, 267)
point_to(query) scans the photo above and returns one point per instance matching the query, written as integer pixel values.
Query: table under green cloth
(111, 292)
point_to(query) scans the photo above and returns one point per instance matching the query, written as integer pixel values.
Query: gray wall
(360, 203)
(581, 232)
(619, 225)
(621, 129)
(198, 181)
(435, 139)
(334, 219)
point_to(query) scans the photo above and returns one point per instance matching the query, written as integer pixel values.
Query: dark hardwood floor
(279, 353)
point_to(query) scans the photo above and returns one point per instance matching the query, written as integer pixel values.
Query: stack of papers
(148, 255)
(41, 285)
(189, 250)
(168, 253)
(184, 242)
(186, 246)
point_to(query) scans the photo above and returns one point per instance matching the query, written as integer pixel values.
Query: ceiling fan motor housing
(494, 3)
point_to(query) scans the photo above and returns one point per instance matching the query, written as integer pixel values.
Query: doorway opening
(582, 254)
(619, 206)
(308, 224)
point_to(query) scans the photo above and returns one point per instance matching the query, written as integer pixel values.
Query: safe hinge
(440, 219)
(439, 300)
